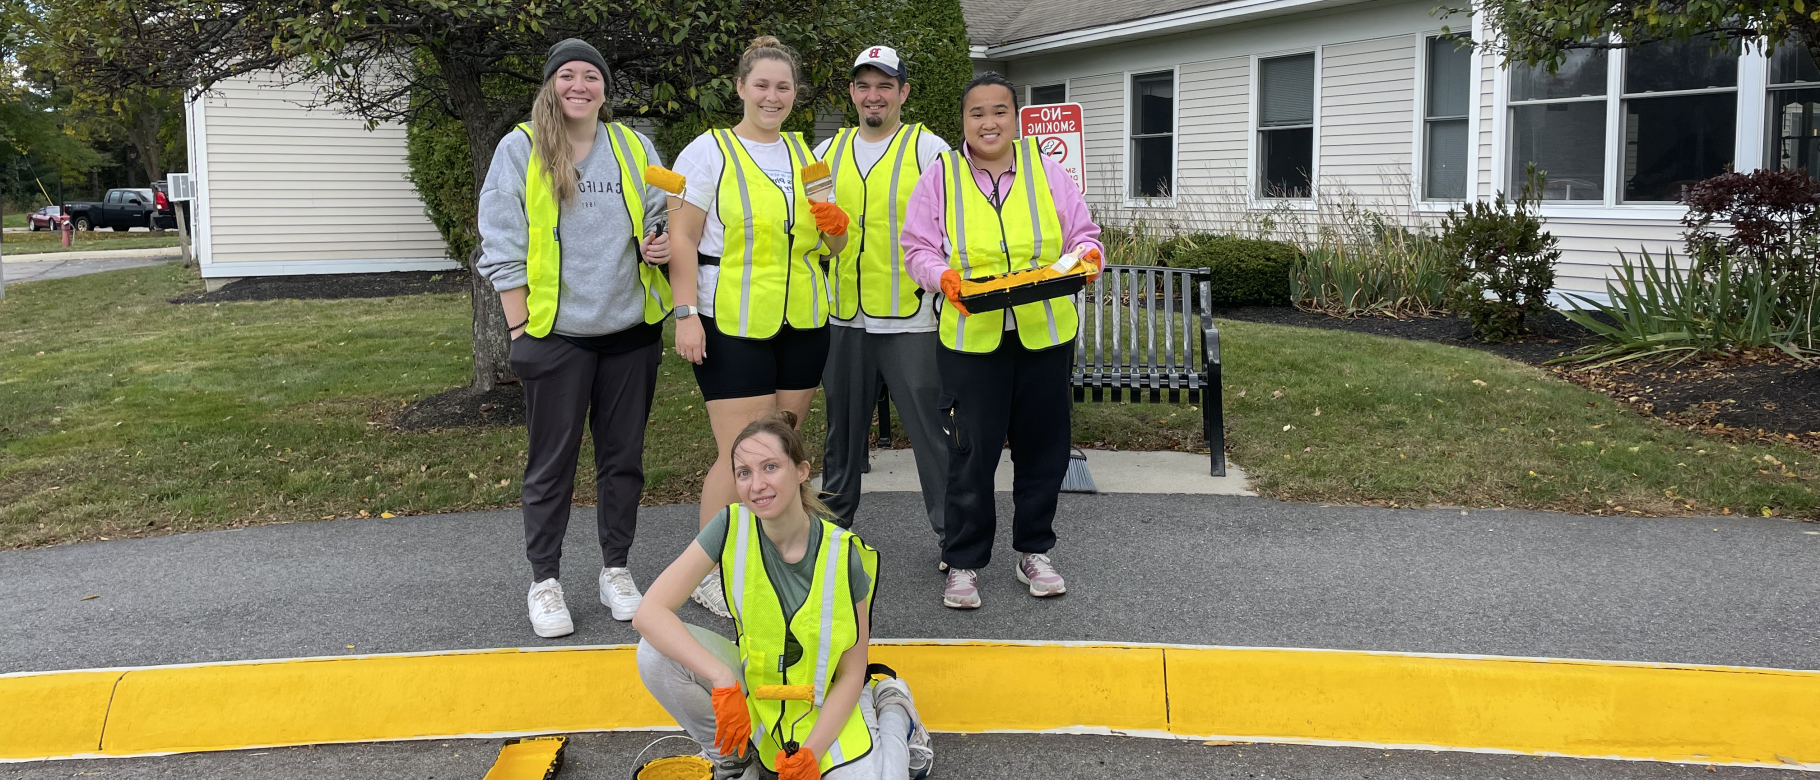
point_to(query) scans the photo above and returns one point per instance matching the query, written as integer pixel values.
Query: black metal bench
(1132, 299)
(1150, 328)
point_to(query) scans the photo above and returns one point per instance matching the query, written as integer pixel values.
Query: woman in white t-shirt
(747, 252)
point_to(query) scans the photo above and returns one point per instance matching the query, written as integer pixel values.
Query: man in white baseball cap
(885, 327)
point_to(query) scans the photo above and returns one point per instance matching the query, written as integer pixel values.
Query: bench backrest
(1145, 327)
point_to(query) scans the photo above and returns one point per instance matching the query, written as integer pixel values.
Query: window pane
(1288, 161)
(1054, 93)
(1449, 77)
(1445, 175)
(1287, 96)
(1793, 64)
(1665, 66)
(1566, 141)
(1153, 110)
(1795, 130)
(1152, 164)
(1671, 142)
(1581, 75)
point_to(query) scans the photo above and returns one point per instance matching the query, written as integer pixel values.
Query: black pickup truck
(122, 209)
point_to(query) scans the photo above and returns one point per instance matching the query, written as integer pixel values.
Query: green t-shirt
(791, 580)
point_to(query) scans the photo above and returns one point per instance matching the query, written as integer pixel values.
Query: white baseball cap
(884, 58)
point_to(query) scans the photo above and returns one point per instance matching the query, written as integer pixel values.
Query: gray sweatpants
(857, 361)
(569, 389)
(689, 700)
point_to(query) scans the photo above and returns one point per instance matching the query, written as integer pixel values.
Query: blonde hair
(782, 424)
(550, 133)
(768, 47)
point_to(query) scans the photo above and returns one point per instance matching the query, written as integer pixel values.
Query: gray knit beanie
(570, 50)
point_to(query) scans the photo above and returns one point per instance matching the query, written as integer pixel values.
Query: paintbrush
(818, 181)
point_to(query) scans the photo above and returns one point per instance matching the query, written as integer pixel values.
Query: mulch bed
(334, 287)
(463, 408)
(1760, 395)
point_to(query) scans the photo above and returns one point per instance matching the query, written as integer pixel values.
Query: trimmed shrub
(1246, 271)
(436, 151)
(1501, 263)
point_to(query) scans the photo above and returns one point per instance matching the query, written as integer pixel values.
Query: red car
(48, 218)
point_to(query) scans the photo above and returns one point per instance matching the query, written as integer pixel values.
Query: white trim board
(1180, 21)
(301, 267)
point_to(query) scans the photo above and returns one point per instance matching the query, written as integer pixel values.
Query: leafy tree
(471, 60)
(1542, 32)
(931, 36)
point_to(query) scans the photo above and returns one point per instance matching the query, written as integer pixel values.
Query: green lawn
(12, 220)
(122, 414)
(52, 241)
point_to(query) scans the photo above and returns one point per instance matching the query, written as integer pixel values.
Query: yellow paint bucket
(675, 768)
(684, 767)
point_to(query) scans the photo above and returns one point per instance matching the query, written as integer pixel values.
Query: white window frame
(1419, 124)
(1030, 91)
(1750, 139)
(1253, 143)
(1132, 199)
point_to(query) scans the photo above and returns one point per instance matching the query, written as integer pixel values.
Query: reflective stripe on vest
(869, 275)
(768, 273)
(543, 261)
(827, 622)
(1023, 232)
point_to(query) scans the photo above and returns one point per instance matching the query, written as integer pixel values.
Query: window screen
(1445, 150)
(1048, 95)
(1152, 134)
(1286, 126)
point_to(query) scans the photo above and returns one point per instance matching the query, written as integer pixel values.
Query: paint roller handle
(785, 692)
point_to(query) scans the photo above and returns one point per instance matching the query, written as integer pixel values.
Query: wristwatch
(685, 310)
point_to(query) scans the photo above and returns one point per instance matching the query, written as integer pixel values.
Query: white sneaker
(619, 593)
(549, 615)
(709, 595)
(895, 692)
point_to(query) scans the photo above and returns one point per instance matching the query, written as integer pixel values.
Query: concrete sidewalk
(1114, 471)
(59, 265)
(1204, 570)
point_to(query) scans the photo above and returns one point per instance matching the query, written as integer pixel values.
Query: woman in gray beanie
(568, 238)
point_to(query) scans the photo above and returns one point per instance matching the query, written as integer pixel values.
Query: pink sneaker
(961, 592)
(1036, 571)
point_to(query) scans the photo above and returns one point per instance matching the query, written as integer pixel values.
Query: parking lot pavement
(1203, 570)
(59, 265)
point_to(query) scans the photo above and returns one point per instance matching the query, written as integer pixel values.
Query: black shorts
(746, 368)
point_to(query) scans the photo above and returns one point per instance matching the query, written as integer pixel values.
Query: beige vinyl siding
(1487, 139)
(1213, 139)
(1102, 100)
(1591, 247)
(287, 184)
(1367, 116)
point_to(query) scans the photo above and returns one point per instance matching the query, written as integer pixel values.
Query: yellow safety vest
(869, 274)
(767, 274)
(1022, 232)
(543, 265)
(826, 626)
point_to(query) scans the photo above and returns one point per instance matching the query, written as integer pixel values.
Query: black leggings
(747, 368)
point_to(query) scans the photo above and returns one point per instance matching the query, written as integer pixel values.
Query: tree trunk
(492, 344)
(142, 132)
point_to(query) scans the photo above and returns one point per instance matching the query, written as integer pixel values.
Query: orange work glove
(829, 218)
(801, 766)
(951, 287)
(732, 724)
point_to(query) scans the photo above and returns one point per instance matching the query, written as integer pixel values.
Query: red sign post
(1057, 128)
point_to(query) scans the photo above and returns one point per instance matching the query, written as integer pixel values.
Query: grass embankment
(122, 414)
(93, 240)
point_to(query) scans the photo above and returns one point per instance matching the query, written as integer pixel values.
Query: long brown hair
(782, 424)
(549, 130)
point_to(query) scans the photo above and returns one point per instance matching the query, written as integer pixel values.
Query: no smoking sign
(1057, 128)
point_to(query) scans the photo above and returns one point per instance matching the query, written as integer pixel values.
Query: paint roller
(672, 183)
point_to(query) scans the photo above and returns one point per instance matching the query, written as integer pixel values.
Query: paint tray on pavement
(531, 758)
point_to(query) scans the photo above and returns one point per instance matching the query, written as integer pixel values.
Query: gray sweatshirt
(600, 292)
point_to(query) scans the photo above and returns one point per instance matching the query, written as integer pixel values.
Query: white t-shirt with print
(701, 164)
(867, 154)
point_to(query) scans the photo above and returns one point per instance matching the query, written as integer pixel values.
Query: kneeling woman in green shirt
(795, 693)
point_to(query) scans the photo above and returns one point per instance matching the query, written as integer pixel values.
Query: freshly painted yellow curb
(1667, 712)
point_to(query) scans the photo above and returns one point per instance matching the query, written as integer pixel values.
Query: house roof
(996, 22)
